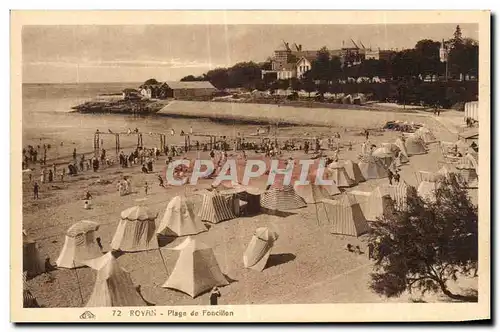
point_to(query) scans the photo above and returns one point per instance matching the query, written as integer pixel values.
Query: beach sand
(307, 265)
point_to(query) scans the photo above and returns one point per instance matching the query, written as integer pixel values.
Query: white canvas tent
(80, 245)
(398, 193)
(427, 190)
(372, 169)
(114, 287)
(259, 248)
(313, 193)
(179, 219)
(344, 216)
(426, 135)
(375, 203)
(415, 145)
(33, 264)
(353, 171)
(196, 269)
(136, 230)
(338, 174)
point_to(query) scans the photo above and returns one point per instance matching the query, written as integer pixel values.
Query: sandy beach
(307, 265)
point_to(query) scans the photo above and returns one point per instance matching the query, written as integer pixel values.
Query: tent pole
(78, 282)
(163, 260)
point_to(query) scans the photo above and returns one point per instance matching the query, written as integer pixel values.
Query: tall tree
(321, 66)
(425, 245)
(427, 56)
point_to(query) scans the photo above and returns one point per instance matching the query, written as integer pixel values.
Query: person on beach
(371, 248)
(144, 169)
(74, 154)
(396, 177)
(51, 175)
(35, 190)
(390, 176)
(367, 134)
(146, 188)
(160, 181)
(214, 296)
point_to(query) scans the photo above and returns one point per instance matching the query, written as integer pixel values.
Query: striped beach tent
(33, 264)
(353, 171)
(216, 207)
(114, 287)
(338, 174)
(196, 270)
(29, 300)
(259, 248)
(80, 245)
(398, 193)
(136, 230)
(282, 199)
(344, 216)
(402, 147)
(179, 219)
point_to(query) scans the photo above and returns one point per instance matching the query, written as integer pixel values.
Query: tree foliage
(428, 243)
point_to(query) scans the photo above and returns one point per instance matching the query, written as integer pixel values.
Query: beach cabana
(258, 250)
(196, 270)
(114, 287)
(398, 193)
(33, 264)
(179, 219)
(80, 245)
(281, 199)
(344, 216)
(136, 230)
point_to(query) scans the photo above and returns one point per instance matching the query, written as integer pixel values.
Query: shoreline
(214, 110)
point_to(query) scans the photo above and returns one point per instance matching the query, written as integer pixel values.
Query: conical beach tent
(259, 249)
(136, 230)
(33, 265)
(281, 199)
(179, 219)
(426, 135)
(415, 145)
(372, 169)
(353, 171)
(80, 245)
(313, 193)
(338, 174)
(215, 208)
(114, 287)
(385, 154)
(196, 269)
(344, 216)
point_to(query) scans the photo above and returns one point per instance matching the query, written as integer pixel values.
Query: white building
(303, 65)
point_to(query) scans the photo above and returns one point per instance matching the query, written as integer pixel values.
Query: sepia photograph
(196, 169)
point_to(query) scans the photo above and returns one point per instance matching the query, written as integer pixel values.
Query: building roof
(306, 54)
(190, 85)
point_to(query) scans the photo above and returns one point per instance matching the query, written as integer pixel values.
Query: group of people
(32, 155)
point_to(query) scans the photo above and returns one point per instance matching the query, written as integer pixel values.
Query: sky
(135, 53)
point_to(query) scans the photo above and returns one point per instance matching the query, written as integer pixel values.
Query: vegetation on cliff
(143, 107)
